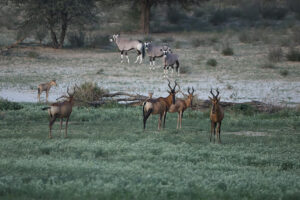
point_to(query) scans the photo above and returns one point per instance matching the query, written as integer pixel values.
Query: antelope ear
(161, 50)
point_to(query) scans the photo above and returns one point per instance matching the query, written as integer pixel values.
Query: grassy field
(108, 156)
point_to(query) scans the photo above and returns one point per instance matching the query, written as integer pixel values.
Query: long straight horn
(217, 93)
(212, 92)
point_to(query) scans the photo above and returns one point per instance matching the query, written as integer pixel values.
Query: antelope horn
(212, 92)
(189, 90)
(63, 96)
(193, 90)
(68, 90)
(217, 93)
(169, 84)
(176, 85)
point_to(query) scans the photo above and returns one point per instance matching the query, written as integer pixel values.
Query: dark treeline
(58, 19)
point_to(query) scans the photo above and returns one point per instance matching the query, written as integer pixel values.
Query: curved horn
(189, 90)
(176, 85)
(193, 90)
(68, 91)
(217, 92)
(212, 92)
(63, 96)
(169, 84)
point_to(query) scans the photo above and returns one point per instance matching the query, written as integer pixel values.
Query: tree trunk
(145, 16)
(54, 38)
(64, 26)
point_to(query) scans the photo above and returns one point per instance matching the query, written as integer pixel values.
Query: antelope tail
(144, 108)
(45, 108)
(39, 90)
(143, 50)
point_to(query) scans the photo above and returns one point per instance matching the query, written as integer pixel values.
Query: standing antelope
(181, 105)
(126, 45)
(159, 106)
(153, 51)
(45, 87)
(170, 59)
(216, 116)
(61, 110)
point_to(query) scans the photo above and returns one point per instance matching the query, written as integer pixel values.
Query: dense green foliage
(7, 105)
(108, 156)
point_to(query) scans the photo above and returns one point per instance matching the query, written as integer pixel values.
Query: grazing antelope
(170, 59)
(216, 116)
(159, 106)
(153, 51)
(126, 45)
(45, 87)
(61, 110)
(181, 105)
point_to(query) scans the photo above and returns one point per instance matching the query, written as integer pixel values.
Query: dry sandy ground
(240, 77)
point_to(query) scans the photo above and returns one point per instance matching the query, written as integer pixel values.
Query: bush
(244, 109)
(32, 54)
(7, 105)
(294, 5)
(227, 50)
(250, 11)
(196, 42)
(76, 39)
(174, 15)
(275, 54)
(41, 33)
(88, 92)
(293, 55)
(284, 72)
(212, 62)
(273, 12)
(218, 17)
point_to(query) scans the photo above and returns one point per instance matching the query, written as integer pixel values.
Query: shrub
(275, 54)
(284, 72)
(227, 50)
(7, 105)
(212, 62)
(244, 109)
(294, 5)
(184, 70)
(32, 54)
(76, 39)
(250, 10)
(273, 12)
(196, 42)
(41, 33)
(218, 17)
(293, 55)
(88, 92)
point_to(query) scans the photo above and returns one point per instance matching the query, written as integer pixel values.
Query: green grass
(108, 156)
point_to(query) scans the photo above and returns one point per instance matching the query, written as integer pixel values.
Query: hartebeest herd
(151, 106)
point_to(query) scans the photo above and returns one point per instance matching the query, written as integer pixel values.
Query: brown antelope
(216, 116)
(181, 105)
(159, 106)
(45, 87)
(61, 110)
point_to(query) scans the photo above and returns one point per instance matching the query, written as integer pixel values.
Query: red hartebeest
(159, 106)
(216, 116)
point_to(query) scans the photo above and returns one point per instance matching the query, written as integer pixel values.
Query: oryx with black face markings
(126, 45)
(170, 59)
(153, 51)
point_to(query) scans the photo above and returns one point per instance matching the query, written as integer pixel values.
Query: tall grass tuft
(275, 54)
(212, 62)
(227, 50)
(8, 105)
(293, 55)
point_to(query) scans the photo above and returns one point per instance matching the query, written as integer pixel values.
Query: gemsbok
(126, 45)
(216, 116)
(61, 110)
(159, 106)
(45, 87)
(181, 105)
(170, 59)
(153, 51)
